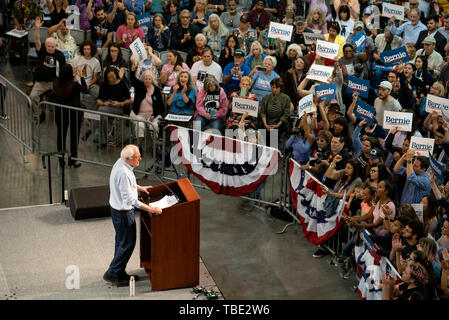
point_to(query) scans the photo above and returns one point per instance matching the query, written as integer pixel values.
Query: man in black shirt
(50, 60)
(298, 36)
(100, 27)
(183, 34)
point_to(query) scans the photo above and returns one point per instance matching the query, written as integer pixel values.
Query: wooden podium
(170, 242)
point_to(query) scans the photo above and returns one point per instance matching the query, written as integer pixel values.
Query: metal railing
(16, 116)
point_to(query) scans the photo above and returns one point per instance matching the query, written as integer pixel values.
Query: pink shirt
(146, 106)
(379, 213)
(128, 36)
(171, 80)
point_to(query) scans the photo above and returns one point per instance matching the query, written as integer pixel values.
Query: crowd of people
(215, 51)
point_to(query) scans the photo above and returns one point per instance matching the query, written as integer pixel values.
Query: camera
(358, 69)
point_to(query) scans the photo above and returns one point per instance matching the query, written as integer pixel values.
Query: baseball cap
(244, 18)
(375, 153)
(299, 19)
(386, 85)
(358, 24)
(429, 40)
(240, 52)
(368, 10)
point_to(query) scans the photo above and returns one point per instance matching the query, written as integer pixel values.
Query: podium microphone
(167, 187)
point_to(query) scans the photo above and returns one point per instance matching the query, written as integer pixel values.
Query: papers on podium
(17, 33)
(165, 202)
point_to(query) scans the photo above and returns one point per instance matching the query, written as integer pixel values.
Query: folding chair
(78, 35)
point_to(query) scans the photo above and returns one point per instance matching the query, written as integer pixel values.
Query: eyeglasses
(439, 137)
(321, 140)
(113, 50)
(373, 170)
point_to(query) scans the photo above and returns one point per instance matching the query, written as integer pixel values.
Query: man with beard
(385, 102)
(64, 40)
(432, 31)
(100, 27)
(259, 18)
(231, 18)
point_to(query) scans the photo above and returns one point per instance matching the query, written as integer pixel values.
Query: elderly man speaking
(123, 201)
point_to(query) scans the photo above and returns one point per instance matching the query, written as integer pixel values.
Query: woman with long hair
(347, 178)
(293, 77)
(158, 34)
(430, 214)
(68, 93)
(422, 72)
(200, 14)
(227, 53)
(114, 58)
(287, 58)
(236, 120)
(430, 250)
(57, 10)
(216, 33)
(148, 106)
(211, 105)
(129, 31)
(113, 98)
(182, 95)
(171, 14)
(171, 69)
(316, 21)
(378, 172)
(256, 57)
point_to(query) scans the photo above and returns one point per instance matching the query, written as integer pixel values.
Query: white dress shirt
(123, 187)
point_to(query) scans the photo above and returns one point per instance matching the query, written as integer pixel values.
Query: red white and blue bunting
(227, 166)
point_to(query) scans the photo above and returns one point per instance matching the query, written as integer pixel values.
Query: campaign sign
(358, 85)
(364, 111)
(360, 40)
(144, 21)
(320, 73)
(73, 19)
(398, 120)
(327, 49)
(240, 105)
(306, 105)
(393, 10)
(435, 103)
(325, 92)
(419, 210)
(311, 37)
(393, 57)
(422, 145)
(138, 50)
(281, 31)
(437, 168)
(381, 67)
(178, 117)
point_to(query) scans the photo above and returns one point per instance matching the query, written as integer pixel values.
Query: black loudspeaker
(89, 202)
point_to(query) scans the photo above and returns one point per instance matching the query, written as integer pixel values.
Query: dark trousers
(125, 241)
(65, 118)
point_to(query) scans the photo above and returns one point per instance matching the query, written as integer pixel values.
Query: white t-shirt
(200, 71)
(89, 67)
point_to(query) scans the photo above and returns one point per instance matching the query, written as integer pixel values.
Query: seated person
(64, 40)
(182, 96)
(114, 58)
(237, 119)
(151, 63)
(171, 69)
(211, 105)
(113, 97)
(205, 67)
(262, 77)
(233, 72)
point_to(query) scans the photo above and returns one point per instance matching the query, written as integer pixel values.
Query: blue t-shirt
(261, 84)
(235, 81)
(178, 106)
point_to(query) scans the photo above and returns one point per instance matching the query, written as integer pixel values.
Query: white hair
(128, 151)
(256, 43)
(146, 73)
(295, 47)
(221, 27)
(50, 39)
(273, 60)
(200, 35)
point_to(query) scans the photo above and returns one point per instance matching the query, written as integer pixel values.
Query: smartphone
(237, 65)
(263, 69)
(243, 92)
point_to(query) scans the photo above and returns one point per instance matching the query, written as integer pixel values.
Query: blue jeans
(125, 241)
(216, 124)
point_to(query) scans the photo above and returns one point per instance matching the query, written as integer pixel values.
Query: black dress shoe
(115, 281)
